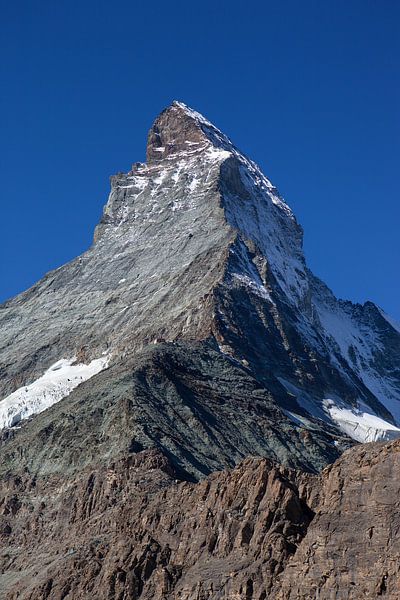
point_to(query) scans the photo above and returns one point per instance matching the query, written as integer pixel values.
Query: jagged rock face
(352, 547)
(174, 133)
(132, 531)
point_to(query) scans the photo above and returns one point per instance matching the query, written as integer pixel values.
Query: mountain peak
(175, 130)
(197, 244)
(179, 129)
(189, 335)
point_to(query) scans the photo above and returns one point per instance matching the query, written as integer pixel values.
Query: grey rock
(201, 409)
(197, 246)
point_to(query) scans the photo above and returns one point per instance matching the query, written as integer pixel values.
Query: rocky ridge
(132, 530)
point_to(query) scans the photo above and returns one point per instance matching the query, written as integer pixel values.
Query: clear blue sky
(309, 89)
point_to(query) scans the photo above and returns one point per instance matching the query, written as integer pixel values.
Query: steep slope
(158, 253)
(197, 244)
(352, 547)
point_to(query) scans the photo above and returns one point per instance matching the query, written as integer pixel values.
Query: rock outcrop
(132, 530)
(199, 407)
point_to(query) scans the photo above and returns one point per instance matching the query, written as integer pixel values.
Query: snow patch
(193, 184)
(358, 422)
(218, 154)
(56, 383)
(360, 425)
(346, 332)
(259, 218)
(137, 182)
(162, 175)
(357, 344)
(257, 288)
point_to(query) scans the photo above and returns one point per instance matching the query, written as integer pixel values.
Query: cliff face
(132, 530)
(352, 546)
(189, 337)
(199, 407)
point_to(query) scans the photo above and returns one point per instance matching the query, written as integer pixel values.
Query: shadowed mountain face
(191, 331)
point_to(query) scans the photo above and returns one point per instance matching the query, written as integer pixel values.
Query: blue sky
(310, 90)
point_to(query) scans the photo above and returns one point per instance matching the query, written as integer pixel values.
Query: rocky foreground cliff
(171, 401)
(133, 530)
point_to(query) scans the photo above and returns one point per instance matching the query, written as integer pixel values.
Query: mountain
(190, 336)
(197, 245)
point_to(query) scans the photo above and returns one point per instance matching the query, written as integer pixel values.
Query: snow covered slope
(352, 340)
(360, 423)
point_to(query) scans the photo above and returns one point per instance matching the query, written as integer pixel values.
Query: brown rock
(259, 531)
(352, 547)
(131, 532)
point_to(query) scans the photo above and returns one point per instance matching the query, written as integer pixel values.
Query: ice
(56, 383)
(361, 426)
